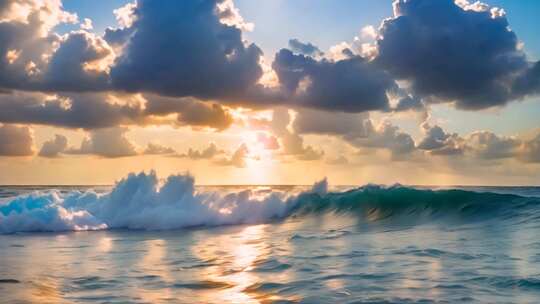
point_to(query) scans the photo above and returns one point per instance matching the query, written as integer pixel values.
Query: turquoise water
(370, 244)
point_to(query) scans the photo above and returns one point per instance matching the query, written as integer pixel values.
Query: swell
(142, 202)
(379, 202)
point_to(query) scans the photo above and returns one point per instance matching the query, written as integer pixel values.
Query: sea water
(151, 241)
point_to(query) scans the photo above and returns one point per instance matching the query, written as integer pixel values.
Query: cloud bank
(445, 51)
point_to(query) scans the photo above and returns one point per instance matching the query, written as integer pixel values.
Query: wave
(140, 201)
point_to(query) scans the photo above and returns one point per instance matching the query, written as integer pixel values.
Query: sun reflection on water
(234, 257)
(153, 264)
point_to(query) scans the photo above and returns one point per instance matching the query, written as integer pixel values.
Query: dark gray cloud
(4, 5)
(528, 83)
(435, 138)
(349, 85)
(16, 141)
(450, 53)
(194, 50)
(180, 48)
(190, 111)
(118, 36)
(101, 110)
(67, 72)
(88, 111)
(408, 103)
(304, 48)
(437, 142)
(54, 147)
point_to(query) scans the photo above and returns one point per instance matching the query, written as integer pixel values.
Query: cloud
(117, 37)
(530, 150)
(437, 142)
(369, 32)
(356, 129)
(104, 110)
(291, 143)
(110, 143)
(480, 145)
(54, 147)
(230, 15)
(190, 111)
(157, 149)
(75, 65)
(385, 136)
(208, 153)
(238, 158)
(340, 51)
(330, 123)
(445, 51)
(309, 153)
(16, 141)
(126, 15)
(34, 58)
(487, 145)
(88, 111)
(304, 48)
(528, 83)
(269, 142)
(448, 52)
(408, 103)
(182, 48)
(348, 85)
(87, 24)
(341, 160)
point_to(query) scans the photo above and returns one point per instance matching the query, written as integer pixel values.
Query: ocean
(147, 240)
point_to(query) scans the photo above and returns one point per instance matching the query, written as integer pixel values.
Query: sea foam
(142, 201)
(139, 202)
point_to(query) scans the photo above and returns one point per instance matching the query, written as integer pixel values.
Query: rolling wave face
(379, 202)
(139, 202)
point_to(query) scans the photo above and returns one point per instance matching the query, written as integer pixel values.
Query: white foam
(138, 202)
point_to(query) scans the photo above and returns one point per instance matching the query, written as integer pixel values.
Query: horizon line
(277, 185)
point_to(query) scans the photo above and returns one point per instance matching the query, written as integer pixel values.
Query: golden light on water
(235, 256)
(152, 263)
(240, 250)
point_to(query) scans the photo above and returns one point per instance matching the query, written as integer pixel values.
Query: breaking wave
(140, 201)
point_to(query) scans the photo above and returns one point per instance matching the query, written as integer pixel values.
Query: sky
(270, 92)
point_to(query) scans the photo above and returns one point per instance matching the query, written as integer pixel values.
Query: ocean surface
(150, 241)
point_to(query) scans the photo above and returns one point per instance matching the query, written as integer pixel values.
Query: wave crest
(139, 202)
